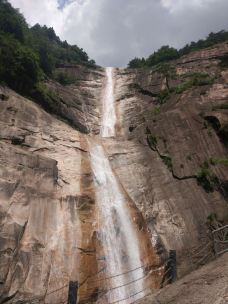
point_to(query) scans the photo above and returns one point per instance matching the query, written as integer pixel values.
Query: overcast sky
(114, 31)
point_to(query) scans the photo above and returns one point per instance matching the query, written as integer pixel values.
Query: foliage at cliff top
(167, 53)
(30, 54)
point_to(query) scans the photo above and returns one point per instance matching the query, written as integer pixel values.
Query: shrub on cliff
(64, 78)
(167, 53)
(19, 65)
(224, 61)
(28, 54)
(193, 80)
(207, 179)
(212, 39)
(137, 63)
(167, 160)
(52, 51)
(12, 22)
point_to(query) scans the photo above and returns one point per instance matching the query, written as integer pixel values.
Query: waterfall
(109, 113)
(116, 230)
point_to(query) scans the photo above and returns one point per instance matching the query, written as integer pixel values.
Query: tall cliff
(169, 157)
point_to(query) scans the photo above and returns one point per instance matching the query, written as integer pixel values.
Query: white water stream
(109, 113)
(116, 230)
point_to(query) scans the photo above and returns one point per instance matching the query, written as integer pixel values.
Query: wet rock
(208, 285)
(169, 193)
(47, 197)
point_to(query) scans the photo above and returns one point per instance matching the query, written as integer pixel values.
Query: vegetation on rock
(222, 131)
(219, 161)
(152, 140)
(167, 160)
(207, 179)
(193, 80)
(29, 55)
(64, 78)
(167, 70)
(224, 61)
(167, 53)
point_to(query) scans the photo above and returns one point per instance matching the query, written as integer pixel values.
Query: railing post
(173, 265)
(170, 273)
(73, 292)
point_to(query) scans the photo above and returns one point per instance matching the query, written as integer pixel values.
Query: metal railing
(99, 293)
(71, 291)
(220, 239)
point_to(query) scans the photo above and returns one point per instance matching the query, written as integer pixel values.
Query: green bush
(152, 140)
(12, 22)
(167, 160)
(197, 79)
(184, 86)
(164, 95)
(28, 54)
(19, 65)
(45, 97)
(224, 61)
(167, 53)
(207, 179)
(136, 63)
(64, 78)
(201, 79)
(166, 69)
(219, 161)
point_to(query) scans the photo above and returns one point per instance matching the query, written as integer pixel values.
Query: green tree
(11, 21)
(19, 65)
(136, 63)
(165, 53)
(47, 61)
(27, 54)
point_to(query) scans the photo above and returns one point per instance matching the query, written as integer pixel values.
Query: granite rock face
(40, 191)
(169, 156)
(208, 285)
(75, 103)
(171, 143)
(49, 233)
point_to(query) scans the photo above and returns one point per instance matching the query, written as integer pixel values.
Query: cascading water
(109, 113)
(116, 230)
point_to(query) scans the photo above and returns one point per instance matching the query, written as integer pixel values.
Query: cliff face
(169, 156)
(49, 233)
(207, 285)
(40, 185)
(77, 103)
(173, 142)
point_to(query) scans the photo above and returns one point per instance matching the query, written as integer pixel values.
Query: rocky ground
(207, 285)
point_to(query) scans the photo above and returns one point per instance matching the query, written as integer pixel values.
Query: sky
(113, 32)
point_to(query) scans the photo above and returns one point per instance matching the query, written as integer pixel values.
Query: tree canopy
(167, 53)
(27, 54)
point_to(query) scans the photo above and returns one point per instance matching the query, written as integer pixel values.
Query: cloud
(73, 22)
(178, 5)
(113, 32)
(43, 12)
(64, 3)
